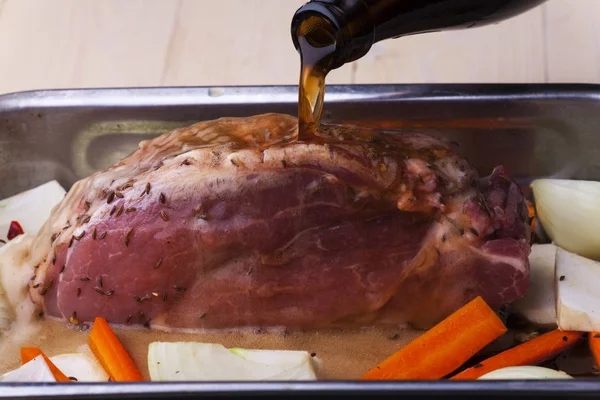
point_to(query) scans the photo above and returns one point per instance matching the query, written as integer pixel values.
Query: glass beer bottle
(331, 33)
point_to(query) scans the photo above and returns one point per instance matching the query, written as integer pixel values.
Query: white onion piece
(569, 211)
(538, 306)
(193, 361)
(83, 367)
(305, 367)
(31, 208)
(578, 294)
(525, 373)
(14, 278)
(35, 370)
(6, 313)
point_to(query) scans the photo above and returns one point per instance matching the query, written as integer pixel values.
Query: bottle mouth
(324, 25)
(318, 43)
(318, 32)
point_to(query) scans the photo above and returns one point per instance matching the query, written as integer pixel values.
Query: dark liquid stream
(311, 91)
(317, 45)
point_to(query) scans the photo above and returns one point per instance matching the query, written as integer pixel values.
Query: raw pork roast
(234, 222)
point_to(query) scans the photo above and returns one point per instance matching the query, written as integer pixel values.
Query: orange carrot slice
(29, 353)
(445, 347)
(594, 342)
(533, 352)
(532, 218)
(110, 352)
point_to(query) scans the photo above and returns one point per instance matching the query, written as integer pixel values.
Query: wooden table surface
(108, 43)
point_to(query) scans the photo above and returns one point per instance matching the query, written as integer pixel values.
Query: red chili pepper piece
(14, 230)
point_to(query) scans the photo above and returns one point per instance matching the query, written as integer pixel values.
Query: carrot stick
(532, 218)
(443, 348)
(29, 353)
(533, 352)
(110, 352)
(594, 342)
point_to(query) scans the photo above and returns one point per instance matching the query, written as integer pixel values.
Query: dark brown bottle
(330, 33)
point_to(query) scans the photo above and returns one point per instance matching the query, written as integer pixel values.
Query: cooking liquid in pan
(346, 353)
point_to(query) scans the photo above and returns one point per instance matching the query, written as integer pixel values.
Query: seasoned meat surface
(234, 222)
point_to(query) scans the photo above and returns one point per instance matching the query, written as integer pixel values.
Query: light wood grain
(233, 42)
(573, 41)
(66, 43)
(511, 51)
(104, 43)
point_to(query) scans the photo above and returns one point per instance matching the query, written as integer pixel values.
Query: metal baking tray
(533, 130)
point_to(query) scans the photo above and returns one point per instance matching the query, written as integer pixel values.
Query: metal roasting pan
(540, 130)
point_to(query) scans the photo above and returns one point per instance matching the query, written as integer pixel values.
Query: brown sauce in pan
(346, 354)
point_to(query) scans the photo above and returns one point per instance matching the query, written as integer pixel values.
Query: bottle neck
(351, 27)
(343, 26)
(397, 18)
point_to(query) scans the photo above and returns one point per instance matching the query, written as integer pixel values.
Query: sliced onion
(15, 274)
(30, 209)
(577, 296)
(35, 370)
(83, 367)
(569, 211)
(538, 306)
(193, 361)
(526, 373)
(21, 216)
